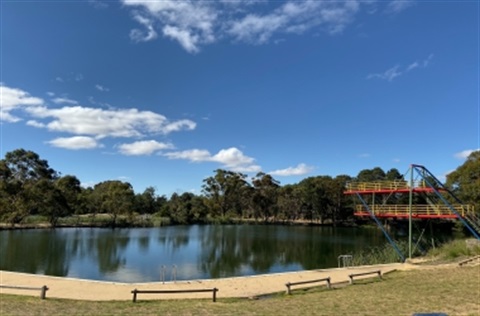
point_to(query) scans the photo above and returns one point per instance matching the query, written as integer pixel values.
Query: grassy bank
(451, 290)
(150, 220)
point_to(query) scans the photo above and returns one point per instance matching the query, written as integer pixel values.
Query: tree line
(29, 186)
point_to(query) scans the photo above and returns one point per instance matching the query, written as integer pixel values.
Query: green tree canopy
(114, 197)
(465, 180)
(264, 199)
(27, 165)
(224, 191)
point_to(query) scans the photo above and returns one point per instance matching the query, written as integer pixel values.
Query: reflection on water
(198, 252)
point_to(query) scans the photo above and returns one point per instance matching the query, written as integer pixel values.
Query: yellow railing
(383, 185)
(404, 209)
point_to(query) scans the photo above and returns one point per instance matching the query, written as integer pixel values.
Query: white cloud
(242, 2)
(101, 88)
(194, 23)
(464, 154)
(235, 160)
(34, 123)
(12, 99)
(397, 71)
(64, 101)
(70, 77)
(124, 178)
(397, 6)
(412, 66)
(189, 22)
(107, 123)
(89, 124)
(299, 170)
(427, 61)
(231, 158)
(188, 40)
(146, 147)
(388, 75)
(75, 143)
(98, 4)
(140, 35)
(194, 155)
(78, 77)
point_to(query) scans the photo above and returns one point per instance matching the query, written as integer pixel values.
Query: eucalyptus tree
(69, 186)
(265, 196)
(369, 175)
(465, 180)
(186, 208)
(49, 201)
(315, 196)
(86, 202)
(340, 204)
(394, 175)
(146, 202)
(15, 201)
(225, 192)
(20, 172)
(26, 165)
(289, 202)
(179, 208)
(114, 197)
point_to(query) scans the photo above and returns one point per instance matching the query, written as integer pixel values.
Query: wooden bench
(461, 263)
(43, 290)
(351, 276)
(290, 284)
(135, 292)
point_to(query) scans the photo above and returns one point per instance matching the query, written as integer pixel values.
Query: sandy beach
(240, 287)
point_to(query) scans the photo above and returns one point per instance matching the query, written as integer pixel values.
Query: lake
(179, 252)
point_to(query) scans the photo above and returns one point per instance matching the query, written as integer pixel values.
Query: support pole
(410, 202)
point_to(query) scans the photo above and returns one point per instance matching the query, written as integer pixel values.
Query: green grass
(459, 248)
(452, 290)
(379, 255)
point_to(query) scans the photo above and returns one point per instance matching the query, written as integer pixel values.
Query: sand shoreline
(239, 287)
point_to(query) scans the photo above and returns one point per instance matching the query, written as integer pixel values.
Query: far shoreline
(237, 221)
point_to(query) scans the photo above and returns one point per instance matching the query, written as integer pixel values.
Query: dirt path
(250, 286)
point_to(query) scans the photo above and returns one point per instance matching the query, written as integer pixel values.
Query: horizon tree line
(29, 186)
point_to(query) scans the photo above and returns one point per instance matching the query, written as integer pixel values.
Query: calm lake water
(194, 252)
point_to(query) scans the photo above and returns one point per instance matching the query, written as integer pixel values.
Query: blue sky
(162, 93)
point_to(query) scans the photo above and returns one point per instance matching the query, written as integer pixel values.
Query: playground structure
(428, 198)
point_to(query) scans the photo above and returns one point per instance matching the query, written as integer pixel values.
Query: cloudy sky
(162, 93)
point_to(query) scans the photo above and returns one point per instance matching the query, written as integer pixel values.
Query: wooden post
(134, 295)
(288, 288)
(43, 292)
(215, 294)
